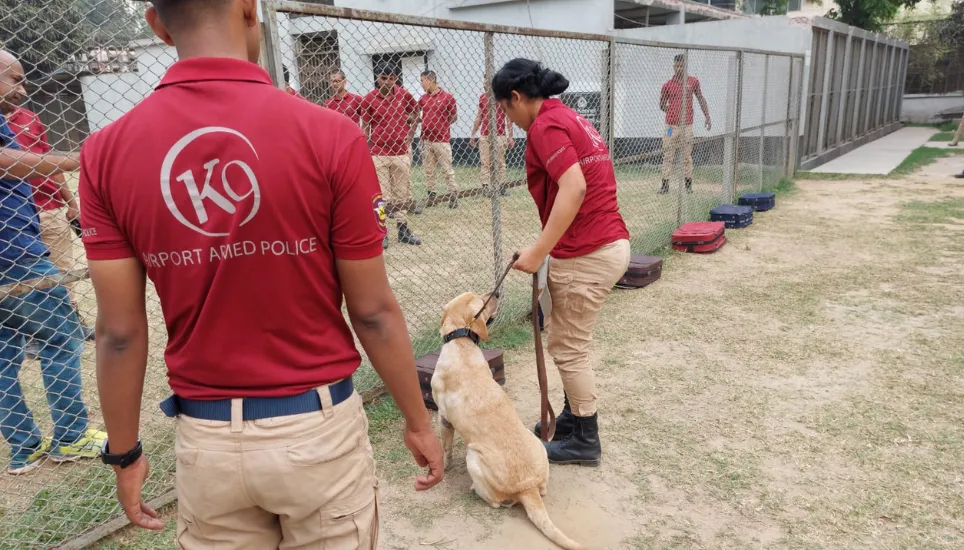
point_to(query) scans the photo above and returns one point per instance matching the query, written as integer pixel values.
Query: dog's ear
(481, 325)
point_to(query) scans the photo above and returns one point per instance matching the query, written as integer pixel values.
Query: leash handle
(547, 415)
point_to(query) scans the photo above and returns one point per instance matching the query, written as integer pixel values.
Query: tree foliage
(46, 33)
(870, 15)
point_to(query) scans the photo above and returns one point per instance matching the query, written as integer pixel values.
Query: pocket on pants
(355, 530)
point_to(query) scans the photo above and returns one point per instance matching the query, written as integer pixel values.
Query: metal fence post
(606, 96)
(730, 132)
(731, 197)
(495, 189)
(684, 113)
(868, 122)
(787, 124)
(887, 80)
(844, 93)
(795, 135)
(272, 43)
(855, 128)
(825, 99)
(763, 119)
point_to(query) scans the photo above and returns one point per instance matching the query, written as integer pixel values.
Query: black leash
(498, 284)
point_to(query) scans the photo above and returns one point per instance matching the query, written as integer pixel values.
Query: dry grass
(801, 388)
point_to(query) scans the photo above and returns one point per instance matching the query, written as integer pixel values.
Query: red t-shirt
(499, 116)
(223, 188)
(389, 117)
(673, 93)
(437, 112)
(349, 105)
(32, 136)
(557, 139)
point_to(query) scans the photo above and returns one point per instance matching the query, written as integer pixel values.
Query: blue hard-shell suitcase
(760, 202)
(733, 217)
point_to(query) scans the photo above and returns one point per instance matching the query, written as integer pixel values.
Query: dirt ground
(801, 388)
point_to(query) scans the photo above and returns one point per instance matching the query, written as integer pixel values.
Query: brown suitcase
(643, 270)
(425, 366)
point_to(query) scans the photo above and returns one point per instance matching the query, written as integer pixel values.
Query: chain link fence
(452, 168)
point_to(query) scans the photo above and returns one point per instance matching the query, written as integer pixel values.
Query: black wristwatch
(122, 460)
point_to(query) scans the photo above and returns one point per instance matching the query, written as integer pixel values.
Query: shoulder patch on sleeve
(380, 211)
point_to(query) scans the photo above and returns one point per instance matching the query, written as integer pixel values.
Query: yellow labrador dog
(506, 461)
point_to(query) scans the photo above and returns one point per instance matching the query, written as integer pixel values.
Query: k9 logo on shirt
(591, 132)
(192, 202)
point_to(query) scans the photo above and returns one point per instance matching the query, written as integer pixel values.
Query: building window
(318, 56)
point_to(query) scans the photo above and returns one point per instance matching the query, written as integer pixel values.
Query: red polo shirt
(238, 208)
(437, 111)
(388, 117)
(673, 93)
(499, 116)
(349, 105)
(32, 136)
(558, 139)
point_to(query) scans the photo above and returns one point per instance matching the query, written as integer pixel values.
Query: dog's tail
(531, 500)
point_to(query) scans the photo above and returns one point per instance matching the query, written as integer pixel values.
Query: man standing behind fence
(503, 141)
(241, 195)
(439, 113)
(55, 201)
(45, 315)
(342, 100)
(389, 115)
(678, 138)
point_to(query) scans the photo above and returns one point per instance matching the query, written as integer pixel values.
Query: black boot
(689, 185)
(580, 447)
(564, 422)
(405, 236)
(663, 189)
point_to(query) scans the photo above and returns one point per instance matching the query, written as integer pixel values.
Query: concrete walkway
(881, 156)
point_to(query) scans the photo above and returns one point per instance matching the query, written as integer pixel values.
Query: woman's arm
(572, 191)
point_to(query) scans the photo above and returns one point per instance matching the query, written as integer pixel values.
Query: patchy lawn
(801, 388)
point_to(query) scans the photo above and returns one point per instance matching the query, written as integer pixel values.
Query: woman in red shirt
(571, 178)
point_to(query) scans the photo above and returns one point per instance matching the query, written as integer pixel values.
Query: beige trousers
(440, 154)
(292, 483)
(55, 232)
(959, 134)
(395, 178)
(485, 155)
(579, 287)
(678, 140)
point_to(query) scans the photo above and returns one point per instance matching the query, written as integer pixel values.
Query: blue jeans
(47, 317)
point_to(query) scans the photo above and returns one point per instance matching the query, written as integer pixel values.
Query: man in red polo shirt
(678, 138)
(389, 116)
(439, 113)
(503, 141)
(56, 205)
(241, 195)
(343, 101)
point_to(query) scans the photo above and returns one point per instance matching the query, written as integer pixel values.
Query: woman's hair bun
(551, 83)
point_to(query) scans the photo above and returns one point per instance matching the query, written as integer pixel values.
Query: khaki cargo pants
(395, 178)
(579, 287)
(678, 140)
(295, 482)
(55, 232)
(435, 153)
(485, 155)
(958, 134)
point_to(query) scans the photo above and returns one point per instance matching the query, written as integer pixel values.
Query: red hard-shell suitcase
(425, 366)
(643, 270)
(700, 237)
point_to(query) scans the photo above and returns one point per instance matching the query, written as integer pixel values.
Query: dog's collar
(461, 333)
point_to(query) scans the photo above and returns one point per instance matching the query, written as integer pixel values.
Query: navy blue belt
(257, 408)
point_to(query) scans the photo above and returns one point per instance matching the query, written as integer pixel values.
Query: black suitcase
(760, 202)
(733, 217)
(643, 270)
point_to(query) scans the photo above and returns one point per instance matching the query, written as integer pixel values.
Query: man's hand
(511, 142)
(73, 211)
(472, 142)
(709, 125)
(130, 483)
(427, 450)
(530, 259)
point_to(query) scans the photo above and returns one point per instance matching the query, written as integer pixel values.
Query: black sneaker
(689, 185)
(32, 350)
(663, 189)
(406, 236)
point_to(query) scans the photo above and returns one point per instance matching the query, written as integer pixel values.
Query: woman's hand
(530, 259)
